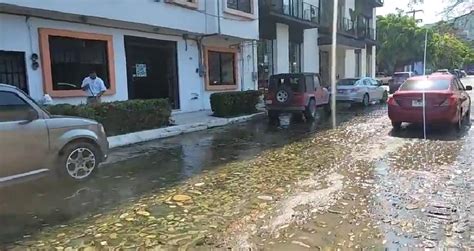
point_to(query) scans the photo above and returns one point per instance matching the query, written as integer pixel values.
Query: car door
(24, 143)
(377, 89)
(321, 92)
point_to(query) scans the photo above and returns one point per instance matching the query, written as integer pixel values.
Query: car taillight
(392, 101)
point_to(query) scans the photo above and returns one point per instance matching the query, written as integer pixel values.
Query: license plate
(340, 91)
(269, 102)
(417, 103)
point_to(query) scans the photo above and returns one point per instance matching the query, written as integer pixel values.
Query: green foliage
(402, 43)
(121, 117)
(228, 104)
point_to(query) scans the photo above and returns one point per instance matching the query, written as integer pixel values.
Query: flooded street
(255, 185)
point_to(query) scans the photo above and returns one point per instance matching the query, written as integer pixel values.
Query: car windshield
(433, 85)
(348, 82)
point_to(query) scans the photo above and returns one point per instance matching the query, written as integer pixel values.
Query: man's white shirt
(94, 86)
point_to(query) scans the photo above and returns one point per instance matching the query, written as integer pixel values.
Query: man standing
(94, 87)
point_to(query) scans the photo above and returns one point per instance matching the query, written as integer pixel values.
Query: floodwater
(258, 186)
(132, 172)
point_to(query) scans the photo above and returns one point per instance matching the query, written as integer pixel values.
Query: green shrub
(121, 117)
(228, 104)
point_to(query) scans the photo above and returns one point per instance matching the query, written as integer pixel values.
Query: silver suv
(32, 141)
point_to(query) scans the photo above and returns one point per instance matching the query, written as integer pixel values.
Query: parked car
(360, 90)
(446, 71)
(295, 93)
(463, 73)
(446, 100)
(398, 79)
(33, 141)
(384, 78)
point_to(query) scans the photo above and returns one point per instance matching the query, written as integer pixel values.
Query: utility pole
(333, 64)
(413, 12)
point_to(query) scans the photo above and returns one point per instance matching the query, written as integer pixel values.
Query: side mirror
(468, 88)
(31, 116)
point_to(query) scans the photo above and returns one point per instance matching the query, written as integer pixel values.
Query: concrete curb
(143, 136)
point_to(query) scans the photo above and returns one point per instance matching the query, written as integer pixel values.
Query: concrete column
(310, 51)
(350, 63)
(281, 49)
(374, 61)
(363, 62)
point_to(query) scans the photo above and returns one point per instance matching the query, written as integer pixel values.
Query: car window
(317, 83)
(460, 85)
(416, 85)
(309, 83)
(13, 108)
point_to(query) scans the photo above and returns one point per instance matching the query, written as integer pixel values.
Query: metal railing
(297, 9)
(347, 26)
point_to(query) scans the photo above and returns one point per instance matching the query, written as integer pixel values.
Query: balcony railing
(296, 9)
(346, 26)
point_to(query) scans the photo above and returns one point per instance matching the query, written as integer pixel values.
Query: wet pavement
(258, 186)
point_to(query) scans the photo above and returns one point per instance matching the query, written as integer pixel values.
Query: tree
(401, 42)
(453, 5)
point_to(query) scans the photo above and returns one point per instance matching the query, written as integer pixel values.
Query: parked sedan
(398, 79)
(360, 90)
(446, 101)
(32, 141)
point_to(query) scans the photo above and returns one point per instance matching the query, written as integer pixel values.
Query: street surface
(258, 186)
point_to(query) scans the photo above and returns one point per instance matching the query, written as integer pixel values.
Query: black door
(152, 69)
(12, 69)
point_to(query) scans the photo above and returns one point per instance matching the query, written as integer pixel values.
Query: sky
(432, 9)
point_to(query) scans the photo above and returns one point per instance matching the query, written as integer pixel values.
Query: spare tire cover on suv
(283, 94)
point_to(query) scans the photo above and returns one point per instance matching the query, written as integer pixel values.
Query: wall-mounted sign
(140, 71)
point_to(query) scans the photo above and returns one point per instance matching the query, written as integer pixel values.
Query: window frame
(210, 87)
(251, 15)
(45, 33)
(26, 103)
(194, 4)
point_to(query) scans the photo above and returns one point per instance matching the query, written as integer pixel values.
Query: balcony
(291, 12)
(377, 3)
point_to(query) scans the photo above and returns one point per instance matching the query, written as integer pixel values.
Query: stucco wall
(281, 48)
(190, 83)
(310, 52)
(156, 13)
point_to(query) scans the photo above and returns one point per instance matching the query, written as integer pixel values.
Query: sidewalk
(184, 123)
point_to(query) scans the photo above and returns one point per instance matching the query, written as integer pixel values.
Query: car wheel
(273, 115)
(396, 125)
(283, 95)
(327, 108)
(366, 100)
(310, 112)
(79, 161)
(458, 125)
(384, 97)
(467, 117)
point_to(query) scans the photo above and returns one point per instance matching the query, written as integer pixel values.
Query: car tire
(396, 125)
(458, 125)
(273, 115)
(79, 160)
(384, 97)
(366, 100)
(467, 117)
(311, 109)
(283, 95)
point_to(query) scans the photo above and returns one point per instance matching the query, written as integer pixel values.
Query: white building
(296, 37)
(182, 50)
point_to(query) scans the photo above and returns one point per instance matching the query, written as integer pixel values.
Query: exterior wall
(350, 64)
(310, 52)
(191, 85)
(158, 14)
(281, 47)
(350, 4)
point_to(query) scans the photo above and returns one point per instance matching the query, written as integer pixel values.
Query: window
(265, 62)
(185, 3)
(68, 57)
(357, 63)
(317, 82)
(12, 69)
(73, 59)
(240, 5)
(295, 57)
(221, 69)
(414, 85)
(13, 108)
